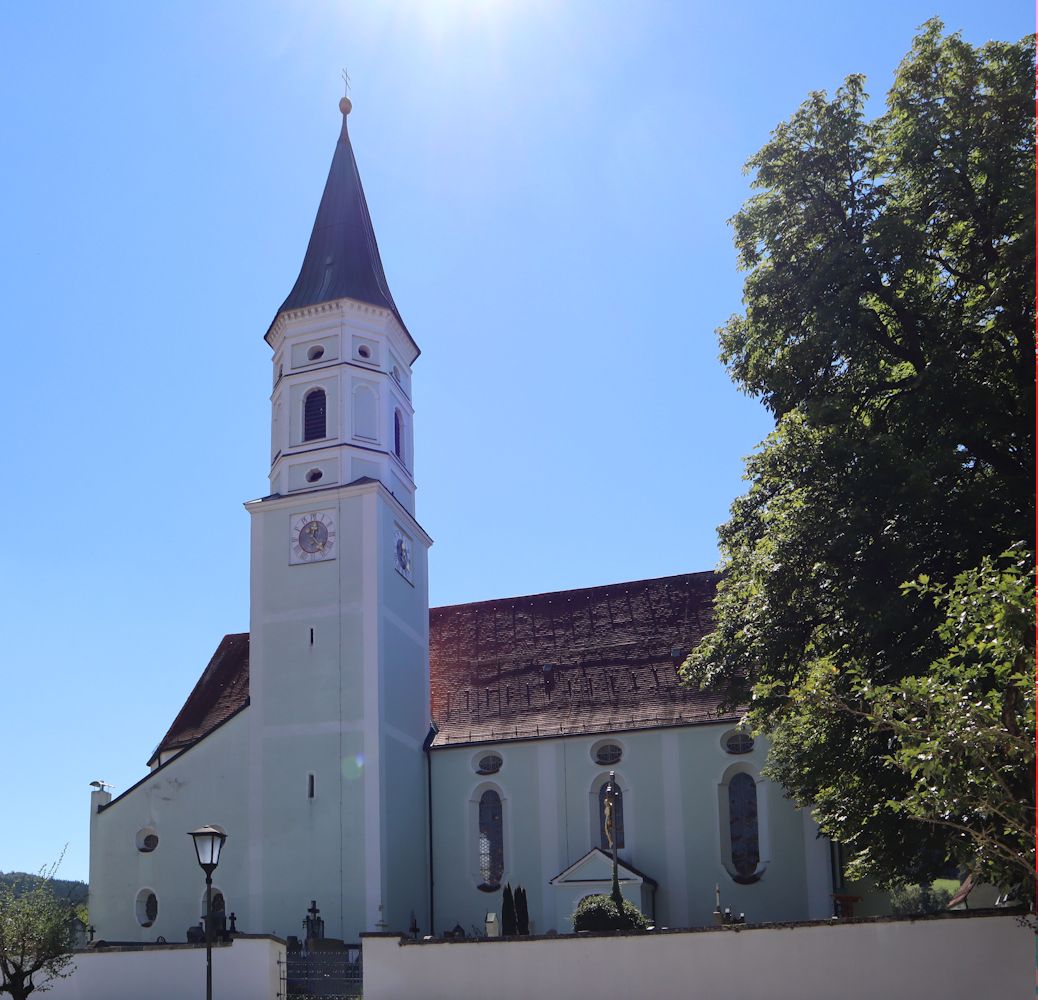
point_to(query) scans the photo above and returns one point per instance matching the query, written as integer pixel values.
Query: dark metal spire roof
(342, 259)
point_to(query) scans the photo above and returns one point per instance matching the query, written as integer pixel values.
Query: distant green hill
(74, 892)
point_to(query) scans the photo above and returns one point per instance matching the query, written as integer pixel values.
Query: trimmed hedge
(599, 913)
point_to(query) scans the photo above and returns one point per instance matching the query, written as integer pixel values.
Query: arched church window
(742, 824)
(398, 435)
(618, 816)
(315, 422)
(491, 841)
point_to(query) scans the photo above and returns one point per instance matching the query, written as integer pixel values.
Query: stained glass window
(314, 418)
(491, 841)
(618, 816)
(742, 820)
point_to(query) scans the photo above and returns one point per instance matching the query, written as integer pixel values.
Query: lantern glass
(208, 844)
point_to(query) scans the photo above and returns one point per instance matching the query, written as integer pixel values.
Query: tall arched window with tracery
(315, 415)
(491, 841)
(618, 816)
(742, 824)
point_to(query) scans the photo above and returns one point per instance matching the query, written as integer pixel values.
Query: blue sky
(549, 183)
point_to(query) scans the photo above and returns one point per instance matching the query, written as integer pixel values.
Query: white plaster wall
(945, 959)
(205, 784)
(342, 328)
(350, 707)
(672, 826)
(247, 969)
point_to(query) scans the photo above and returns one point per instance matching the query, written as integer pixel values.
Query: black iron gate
(329, 971)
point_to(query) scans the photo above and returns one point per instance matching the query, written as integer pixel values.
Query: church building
(400, 764)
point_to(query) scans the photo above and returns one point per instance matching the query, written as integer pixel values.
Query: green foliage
(72, 891)
(600, 913)
(508, 921)
(909, 900)
(889, 326)
(964, 732)
(35, 935)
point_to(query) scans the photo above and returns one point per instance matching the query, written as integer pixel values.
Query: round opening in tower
(314, 475)
(315, 353)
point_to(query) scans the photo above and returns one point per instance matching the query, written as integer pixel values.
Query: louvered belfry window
(742, 820)
(315, 420)
(491, 841)
(618, 816)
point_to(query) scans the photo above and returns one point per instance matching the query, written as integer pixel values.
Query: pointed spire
(342, 259)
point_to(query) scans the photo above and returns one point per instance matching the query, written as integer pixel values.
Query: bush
(914, 899)
(599, 913)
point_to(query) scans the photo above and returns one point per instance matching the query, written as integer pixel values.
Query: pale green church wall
(205, 784)
(673, 809)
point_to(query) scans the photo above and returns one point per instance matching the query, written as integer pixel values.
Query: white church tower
(339, 631)
(304, 739)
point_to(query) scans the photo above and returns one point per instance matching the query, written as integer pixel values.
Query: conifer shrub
(508, 923)
(522, 912)
(600, 913)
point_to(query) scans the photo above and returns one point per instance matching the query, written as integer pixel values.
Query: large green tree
(889, 327)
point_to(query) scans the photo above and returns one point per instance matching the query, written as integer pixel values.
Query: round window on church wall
(489, 764)
(147, 840)
(147, 907)
(607, 753)
(738, 742)
(315, 353)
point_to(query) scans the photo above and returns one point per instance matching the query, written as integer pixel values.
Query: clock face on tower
(312, 537)
(402, 553)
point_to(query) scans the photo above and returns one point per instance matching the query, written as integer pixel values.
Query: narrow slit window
(315, 422)
(311, 786)
(311, 637)
(398, 435)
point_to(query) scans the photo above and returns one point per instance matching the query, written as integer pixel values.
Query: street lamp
(208, 844)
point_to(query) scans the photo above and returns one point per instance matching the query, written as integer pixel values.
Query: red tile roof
(222, 690)
(601, 659)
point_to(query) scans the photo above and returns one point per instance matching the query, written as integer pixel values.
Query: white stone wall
(247, 969)
(942, 959)
(674, 818)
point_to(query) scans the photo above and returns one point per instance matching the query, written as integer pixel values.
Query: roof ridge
(576, 590)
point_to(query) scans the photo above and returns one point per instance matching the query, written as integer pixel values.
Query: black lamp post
(208, 844)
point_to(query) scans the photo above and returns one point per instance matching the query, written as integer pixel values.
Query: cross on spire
(346, 82)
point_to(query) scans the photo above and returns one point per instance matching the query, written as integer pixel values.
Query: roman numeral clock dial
(312, 537)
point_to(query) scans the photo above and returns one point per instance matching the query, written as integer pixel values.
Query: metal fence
(328, 973)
